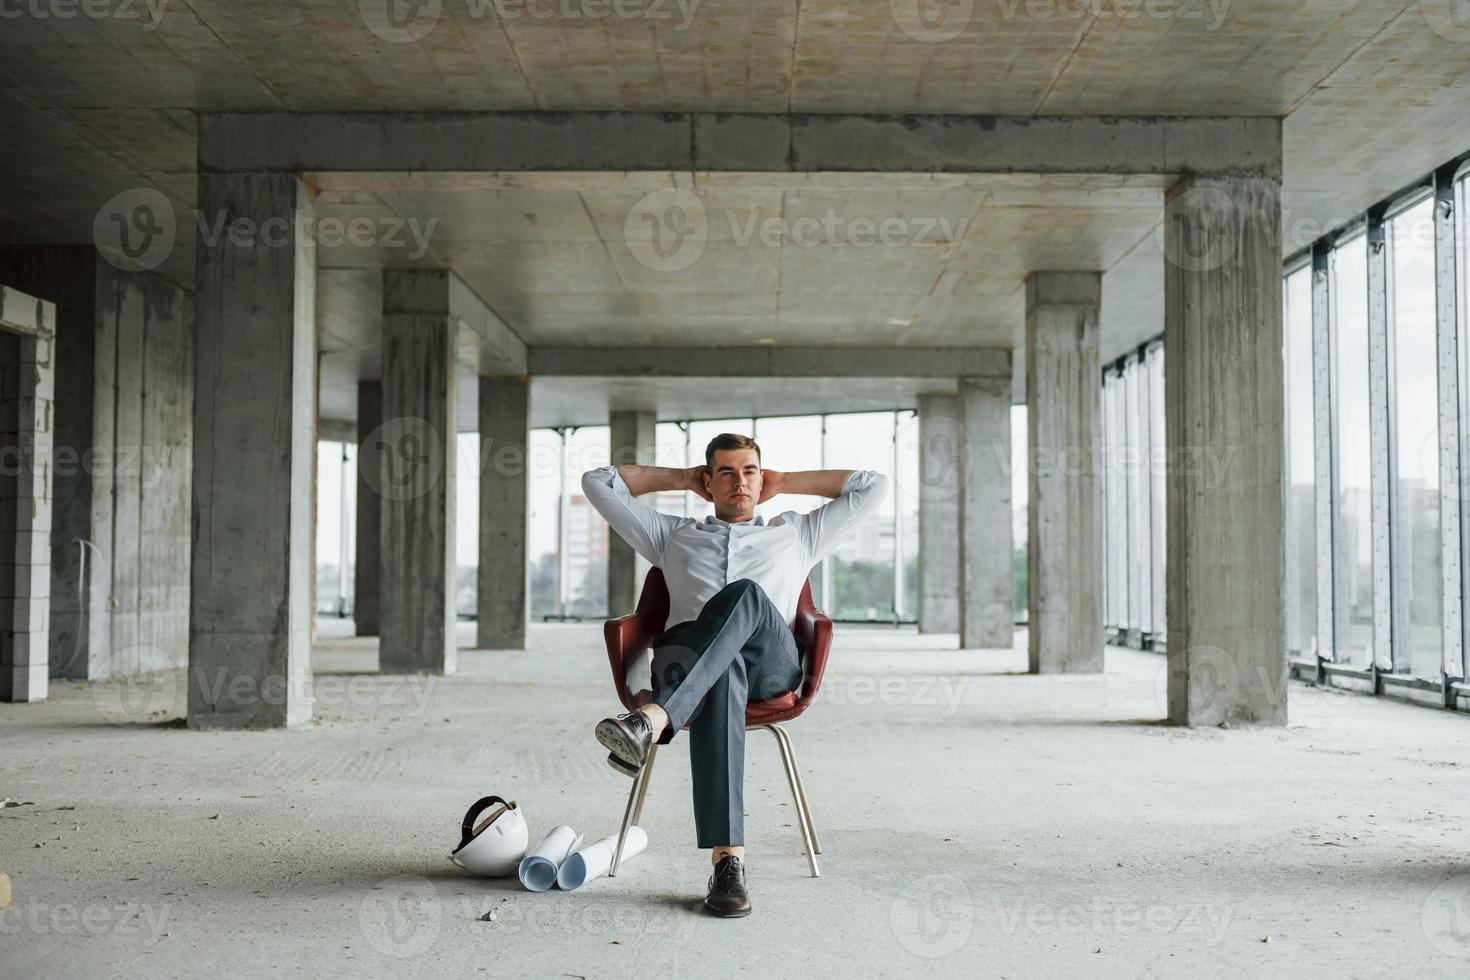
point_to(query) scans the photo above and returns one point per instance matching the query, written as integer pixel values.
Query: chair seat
(771, 710)
(783, 707)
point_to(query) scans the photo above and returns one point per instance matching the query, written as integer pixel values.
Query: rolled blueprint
(594, 860)
(538, 869)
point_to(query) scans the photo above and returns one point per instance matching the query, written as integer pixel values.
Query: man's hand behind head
(770, 484)
(695, 481)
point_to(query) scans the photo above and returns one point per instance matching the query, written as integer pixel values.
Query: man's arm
(858, 493)
(816, 483)
(611, 494)
(651, 479)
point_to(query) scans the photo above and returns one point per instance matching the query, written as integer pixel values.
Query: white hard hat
(492, 848)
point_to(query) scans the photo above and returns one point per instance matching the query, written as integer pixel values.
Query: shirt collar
(756, 521)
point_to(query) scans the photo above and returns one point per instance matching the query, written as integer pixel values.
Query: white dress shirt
(700, 557)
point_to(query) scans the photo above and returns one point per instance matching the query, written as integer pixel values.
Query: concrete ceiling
(1373, 93)
(556, 258)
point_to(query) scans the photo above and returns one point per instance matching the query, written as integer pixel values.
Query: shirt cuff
(609, 477)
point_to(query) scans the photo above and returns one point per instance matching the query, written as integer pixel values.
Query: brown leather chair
(629, 636)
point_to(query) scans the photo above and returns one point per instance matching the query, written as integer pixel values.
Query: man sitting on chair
(733, 581)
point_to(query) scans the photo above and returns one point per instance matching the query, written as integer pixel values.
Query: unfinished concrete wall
(27, 423)
(122, 450)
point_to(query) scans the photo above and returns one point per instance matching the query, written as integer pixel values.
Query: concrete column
(631, 437)
(420, 325)
(27, 414)
(940, 444)
(1224, 423)
(254, 447)
(1063, 434)
(987, 618)
(505, 440)
(366, 577)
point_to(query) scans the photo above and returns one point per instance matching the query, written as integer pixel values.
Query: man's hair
(728, 440)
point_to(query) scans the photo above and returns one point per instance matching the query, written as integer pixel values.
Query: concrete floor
(976, 822)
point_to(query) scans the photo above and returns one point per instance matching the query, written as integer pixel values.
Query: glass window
(1301, 498)
(336, 526)
(1353, 515)
(1020, 494)
(1115, 488)
(1462, 293)
(1156, 464)
(569, 542)
(544, 482)
(906, 513)
(466, 522)
(1414, 443)
(584, 532)
(862, 566)
(793, 443)
(671, 448)
(1140, 596)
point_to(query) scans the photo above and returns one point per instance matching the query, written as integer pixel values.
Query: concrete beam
(736, 142)
(771, 361)
(1063, 434)
(336, 430)
(495, 349)
(631, 439)
(1225, 424)
(25, 314)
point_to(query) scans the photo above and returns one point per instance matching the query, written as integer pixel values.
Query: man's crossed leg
(705, 671)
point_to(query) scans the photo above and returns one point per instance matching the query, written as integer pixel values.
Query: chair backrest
(653, 603)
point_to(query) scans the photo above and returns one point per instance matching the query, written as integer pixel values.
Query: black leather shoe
(628, 738)
(727, 896)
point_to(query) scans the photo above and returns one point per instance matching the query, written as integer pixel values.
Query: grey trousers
(705, 671)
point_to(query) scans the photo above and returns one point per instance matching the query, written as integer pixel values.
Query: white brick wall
(27, 420)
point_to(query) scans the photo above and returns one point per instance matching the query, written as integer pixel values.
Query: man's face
(734, 483)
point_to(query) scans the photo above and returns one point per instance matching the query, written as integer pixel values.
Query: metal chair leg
(643, 789)
(806, 836)
(634, 797)
(806, 804)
